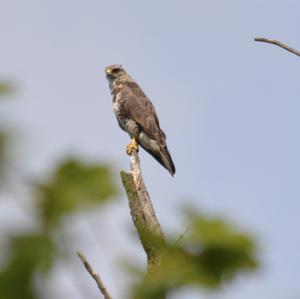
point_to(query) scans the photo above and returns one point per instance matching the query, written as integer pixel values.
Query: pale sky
(229, 106)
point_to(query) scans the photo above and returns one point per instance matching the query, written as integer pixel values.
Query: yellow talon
(133, 145)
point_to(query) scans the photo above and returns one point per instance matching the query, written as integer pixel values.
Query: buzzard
(136, 116)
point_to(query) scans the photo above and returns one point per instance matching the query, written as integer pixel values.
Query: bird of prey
(136, 116)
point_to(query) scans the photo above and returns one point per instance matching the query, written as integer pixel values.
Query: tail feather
(157, 148)
(167, 160)
(164, 158)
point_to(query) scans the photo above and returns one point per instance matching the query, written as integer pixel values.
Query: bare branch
(178, 239)
(142, 211)
(277, 43)
(95, 276)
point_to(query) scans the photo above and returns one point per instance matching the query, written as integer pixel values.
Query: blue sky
(229, 106)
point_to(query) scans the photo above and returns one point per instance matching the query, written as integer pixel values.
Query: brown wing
(141, 110)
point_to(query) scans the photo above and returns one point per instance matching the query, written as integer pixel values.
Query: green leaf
(75, 185)
(224, 250)
(30, 254)
(210, 254)
(6, 87)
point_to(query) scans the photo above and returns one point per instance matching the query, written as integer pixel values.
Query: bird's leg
(133, 145)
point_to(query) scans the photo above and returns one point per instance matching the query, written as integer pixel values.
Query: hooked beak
(108, 71)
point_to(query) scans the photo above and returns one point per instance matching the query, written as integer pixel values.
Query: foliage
(212, 253)
(72, 186)
(29, 253)
(6, 87)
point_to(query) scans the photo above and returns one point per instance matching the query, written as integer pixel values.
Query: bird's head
(114, 71)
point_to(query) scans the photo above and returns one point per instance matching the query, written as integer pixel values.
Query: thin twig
(96, 276)
(277, 43)
(178, 239)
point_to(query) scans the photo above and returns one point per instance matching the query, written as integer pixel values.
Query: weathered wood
(142, 211)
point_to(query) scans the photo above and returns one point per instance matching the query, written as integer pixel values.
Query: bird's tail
(159, 151)
(167, 161)
(163, 156)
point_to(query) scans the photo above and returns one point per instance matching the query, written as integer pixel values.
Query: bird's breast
(117, 99)
(116, 107)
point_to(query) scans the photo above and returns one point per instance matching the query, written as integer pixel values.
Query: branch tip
(277, 43)
(94, 275)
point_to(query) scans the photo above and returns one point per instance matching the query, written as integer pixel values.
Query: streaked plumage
(136, 115)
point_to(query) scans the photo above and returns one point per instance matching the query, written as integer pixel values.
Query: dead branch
(179, 238)
(142, 211)
(277, 43)
(95, 276)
